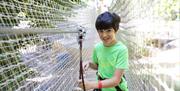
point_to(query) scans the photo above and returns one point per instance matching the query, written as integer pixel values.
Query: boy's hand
(87, 84)
(86, 65)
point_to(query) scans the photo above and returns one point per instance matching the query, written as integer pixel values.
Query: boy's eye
(101, 31)
(108, 30)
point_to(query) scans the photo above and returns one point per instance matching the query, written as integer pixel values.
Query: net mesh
(32, 56)
(147, 35)
(39, 49)
(38, 62)
(35, 13)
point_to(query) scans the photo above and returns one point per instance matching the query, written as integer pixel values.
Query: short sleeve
(94, 57)
(122, 59)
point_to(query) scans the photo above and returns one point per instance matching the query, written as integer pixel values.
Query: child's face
(107, 36)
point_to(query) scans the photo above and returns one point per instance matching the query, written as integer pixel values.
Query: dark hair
(107, 20)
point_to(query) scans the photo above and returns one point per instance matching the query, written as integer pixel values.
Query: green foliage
(41, 13)
(168, 9)
(13, 72)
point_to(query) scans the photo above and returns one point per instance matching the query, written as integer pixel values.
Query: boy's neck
(114, 42)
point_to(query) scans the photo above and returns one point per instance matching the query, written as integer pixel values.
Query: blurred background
(39, 48)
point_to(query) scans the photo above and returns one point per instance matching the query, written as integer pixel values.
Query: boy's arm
(93, 66)
(112, 82)
(115, 80)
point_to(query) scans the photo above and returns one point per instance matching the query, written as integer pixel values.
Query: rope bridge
(39, 49)
(38, 45)
(147, 35)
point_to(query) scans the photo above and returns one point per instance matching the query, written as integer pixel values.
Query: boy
(110, 57)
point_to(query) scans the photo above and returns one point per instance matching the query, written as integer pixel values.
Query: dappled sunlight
(40, 51)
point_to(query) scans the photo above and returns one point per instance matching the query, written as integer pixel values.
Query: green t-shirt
(109, 59)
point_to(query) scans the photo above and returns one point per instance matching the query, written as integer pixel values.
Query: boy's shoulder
(122, 45)
(98, 45)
